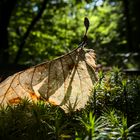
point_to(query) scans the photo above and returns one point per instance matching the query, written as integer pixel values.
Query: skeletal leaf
(66, 81)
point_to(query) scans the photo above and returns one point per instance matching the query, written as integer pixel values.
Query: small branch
(25, 36)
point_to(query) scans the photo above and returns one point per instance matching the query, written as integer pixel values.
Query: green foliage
(116, 90)
(92, 126)
(113, 33)
(61, 29)
(106, 116)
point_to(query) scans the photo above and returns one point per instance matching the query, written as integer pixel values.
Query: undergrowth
(112, 113)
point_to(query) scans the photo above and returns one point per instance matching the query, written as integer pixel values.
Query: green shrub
(112, 113)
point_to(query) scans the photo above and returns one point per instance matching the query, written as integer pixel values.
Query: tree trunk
(25, 36)
(6, 8)
(128, 26)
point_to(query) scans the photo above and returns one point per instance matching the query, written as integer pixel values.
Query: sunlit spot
(99, 2)
(35, 8)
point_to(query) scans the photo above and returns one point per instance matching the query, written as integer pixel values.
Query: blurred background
(33, 31)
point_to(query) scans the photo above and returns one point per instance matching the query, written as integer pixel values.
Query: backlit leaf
(66, 81)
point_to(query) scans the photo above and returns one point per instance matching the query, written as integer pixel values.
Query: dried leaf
(66, 81)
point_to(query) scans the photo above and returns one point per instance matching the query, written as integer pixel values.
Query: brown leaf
(66, 81)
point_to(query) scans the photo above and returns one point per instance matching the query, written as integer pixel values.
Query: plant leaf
(66, 81)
